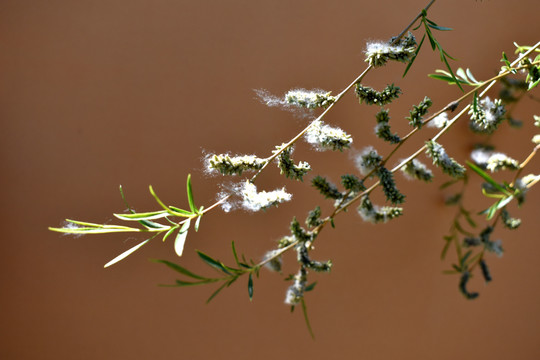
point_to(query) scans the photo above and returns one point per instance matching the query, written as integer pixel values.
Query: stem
(525, 162)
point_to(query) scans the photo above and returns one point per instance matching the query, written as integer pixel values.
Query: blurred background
(94, 94)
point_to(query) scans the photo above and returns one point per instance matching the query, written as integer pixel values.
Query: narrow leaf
(170, 210)
(473, 259)
(181, 238)
(310, 287)
(532, 85)
(169, 233)
(250, 287)
(487, 178)
(213, 262)
(450, 272)
(143, 216)
(183, 213)
(467, 216)
(430, 37)
(450, 69)
(440, 28)
(126, 253)
(189, 283)
(461, 73)
(306, 318)
(234, 253)
(190, 195)
(463, 260)
(446, 246)
(179, 269)
(414, 56)
(217, 292)
(198, 222)
(470, 75)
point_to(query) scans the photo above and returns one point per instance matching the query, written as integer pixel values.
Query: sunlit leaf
(126, 253)
(143, 216)
(181, 238)
(169, 233)
(183, 212)
(471, 77)
(81, 228)
(170, 210)
(190, 195)
(198, 222)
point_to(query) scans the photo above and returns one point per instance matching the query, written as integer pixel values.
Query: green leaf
(414, 56)
(214, 294)
(473, 259)
(181, 238)
(190, 195)
(235, 254)
(440, 28)
(447, 77)
(143, 216)
(468, 217)
(250, 287)
(126, 253)
(179, 269)
(487, 178)
(505, 60)
(188, 283)
(532, 85)
(214, 263)
(184, 213)
(145, 223)
(432, 25)
(170, 210)
(448, 240)
(310, 287)
(91, 228)
(460, 229)
(492, 210)
(450, 272)
(169, 233)
(306, 318)
(430, 36)
(443, 56)
(463, 260)
(152, 225)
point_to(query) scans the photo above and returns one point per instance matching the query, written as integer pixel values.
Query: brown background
(100, 93)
